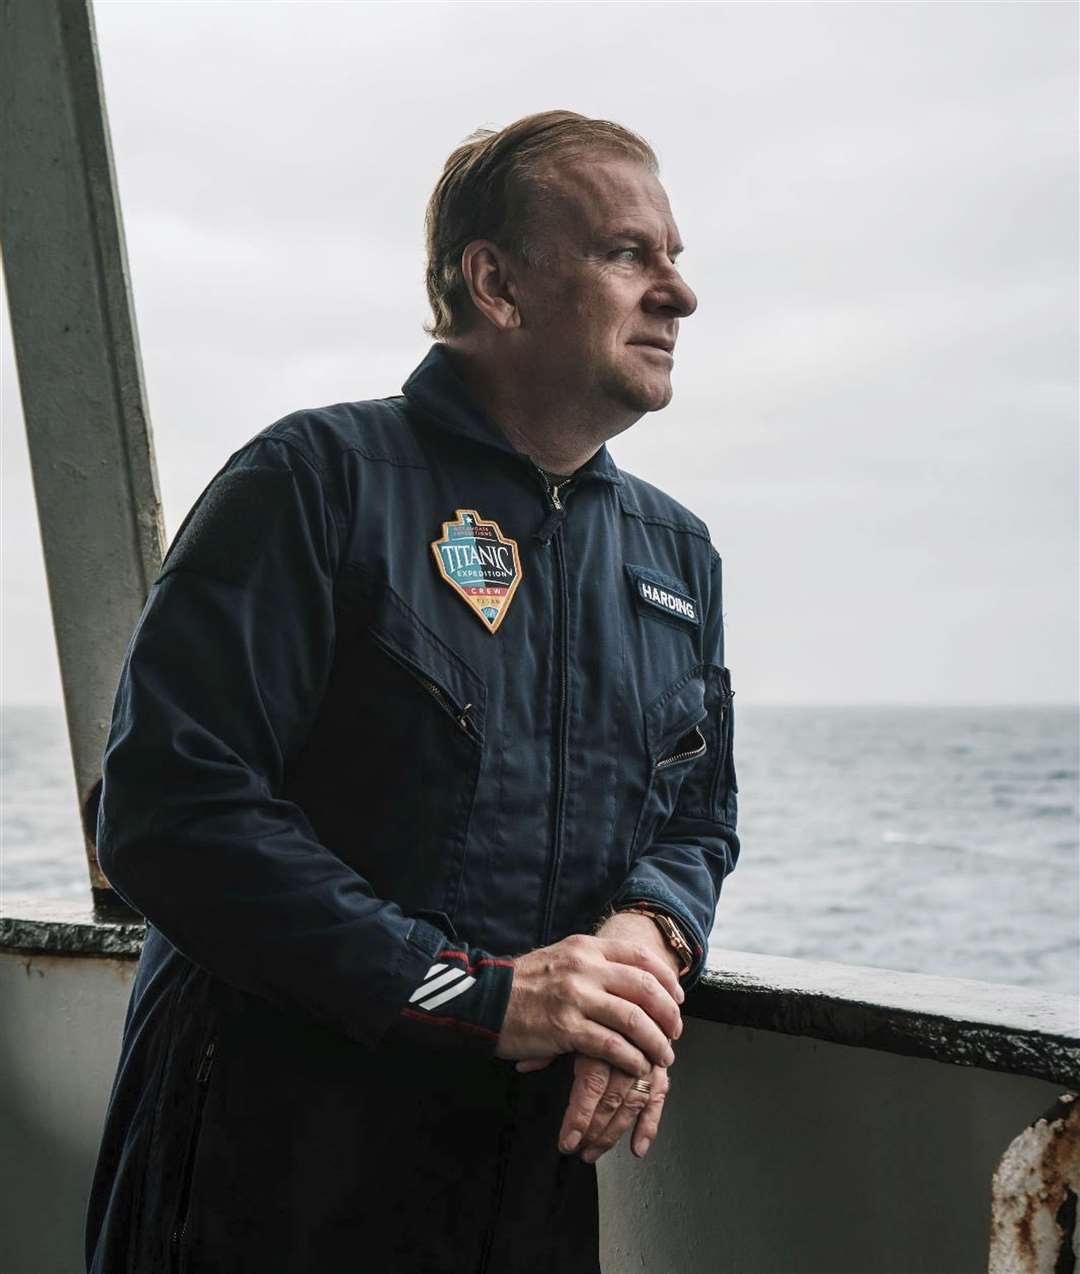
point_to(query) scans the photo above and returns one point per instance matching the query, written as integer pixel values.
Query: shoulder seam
(384, 459)
(345, 447)
(320, 473)
(651, 519)
(688, 524)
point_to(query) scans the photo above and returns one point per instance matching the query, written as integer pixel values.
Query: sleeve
(220, 687)
(681, 872)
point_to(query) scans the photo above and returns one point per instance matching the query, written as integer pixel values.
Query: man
(420, 771)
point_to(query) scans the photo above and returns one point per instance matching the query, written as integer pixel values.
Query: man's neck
(557, 436)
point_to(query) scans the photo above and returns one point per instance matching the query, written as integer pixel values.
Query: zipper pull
(202, 1075)
(463, 718)
(549, 526)
(553, 521)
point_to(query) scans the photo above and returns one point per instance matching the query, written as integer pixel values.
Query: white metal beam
(80, 375)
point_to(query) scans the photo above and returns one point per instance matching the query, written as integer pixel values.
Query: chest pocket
(457, 690)
(676, 741)
(688, 745)
(426, 710)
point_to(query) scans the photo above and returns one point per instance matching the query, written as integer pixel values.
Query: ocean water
(936, 840)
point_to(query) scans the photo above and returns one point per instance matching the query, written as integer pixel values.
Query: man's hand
(604, 1104)
(610, 998)
(632, 926)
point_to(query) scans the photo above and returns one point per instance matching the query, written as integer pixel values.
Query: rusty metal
(1034, 1225)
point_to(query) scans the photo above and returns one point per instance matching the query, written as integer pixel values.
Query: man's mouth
(665, 347)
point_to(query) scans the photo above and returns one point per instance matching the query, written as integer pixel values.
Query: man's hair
(492, 188)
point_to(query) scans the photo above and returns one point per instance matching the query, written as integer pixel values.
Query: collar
(438, 393)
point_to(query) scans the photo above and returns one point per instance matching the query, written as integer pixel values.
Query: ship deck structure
(824, 1118)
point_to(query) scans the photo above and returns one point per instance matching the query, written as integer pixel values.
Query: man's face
(602, 313)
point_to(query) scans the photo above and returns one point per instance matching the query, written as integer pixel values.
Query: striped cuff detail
(460, 1000)
(441, 984)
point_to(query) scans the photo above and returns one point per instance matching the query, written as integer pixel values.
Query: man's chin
(638, 394)
(652, 396)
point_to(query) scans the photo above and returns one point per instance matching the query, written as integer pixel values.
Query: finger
(634, 1024)
(623, 1118)
(623, 952)
(619, 1097)
(591, 1078)
(594, 1040)
(648, 1124)
(529, 1064)
(640, 987)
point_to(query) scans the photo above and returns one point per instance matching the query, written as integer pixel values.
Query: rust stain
(41, 964)
(1066, 1221)
(89, 802)
(1034, 1198)
(1024, 1238)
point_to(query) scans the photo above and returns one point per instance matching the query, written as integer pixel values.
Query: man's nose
(672, 295)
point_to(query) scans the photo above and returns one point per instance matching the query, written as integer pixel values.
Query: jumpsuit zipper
(549, 533)
(552, 532)
(202, 1083)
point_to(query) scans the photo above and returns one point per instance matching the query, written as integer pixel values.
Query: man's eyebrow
(642, 237)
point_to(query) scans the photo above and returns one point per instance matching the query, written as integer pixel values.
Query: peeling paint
(1033, 1227)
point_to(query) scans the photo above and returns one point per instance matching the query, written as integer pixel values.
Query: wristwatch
(671, 932)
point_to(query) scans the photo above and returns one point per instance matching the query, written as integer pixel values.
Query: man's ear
(485, 268)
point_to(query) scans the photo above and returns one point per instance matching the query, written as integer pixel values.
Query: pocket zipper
(448, 705)
(460, 716)
(685, 755)
(202, 1081)
(724, 769)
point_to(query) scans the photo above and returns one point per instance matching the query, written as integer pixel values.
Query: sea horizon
(933, 838)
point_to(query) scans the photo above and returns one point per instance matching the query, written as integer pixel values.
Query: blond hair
(491, 188)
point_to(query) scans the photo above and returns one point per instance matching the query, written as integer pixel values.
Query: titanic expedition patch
(480, 564)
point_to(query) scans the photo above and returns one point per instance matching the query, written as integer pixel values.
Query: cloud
(876, 401)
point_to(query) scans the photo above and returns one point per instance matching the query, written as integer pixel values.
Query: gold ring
(642, 1086)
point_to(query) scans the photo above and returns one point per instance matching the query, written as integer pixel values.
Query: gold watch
(672, 933)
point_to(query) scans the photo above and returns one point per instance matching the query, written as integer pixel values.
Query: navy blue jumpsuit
(393, 714)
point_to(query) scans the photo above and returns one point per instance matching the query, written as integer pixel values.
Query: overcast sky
(876, 402)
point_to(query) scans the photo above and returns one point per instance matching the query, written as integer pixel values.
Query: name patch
(480, 564)
(665, 594)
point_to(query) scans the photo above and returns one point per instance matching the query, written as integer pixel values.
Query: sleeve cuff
(459, 998)
(633, 894)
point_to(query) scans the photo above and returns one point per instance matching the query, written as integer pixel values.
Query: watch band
(671, 931)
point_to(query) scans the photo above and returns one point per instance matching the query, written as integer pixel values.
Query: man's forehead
(611, 194)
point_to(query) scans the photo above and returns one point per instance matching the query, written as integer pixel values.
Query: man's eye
(627, 254)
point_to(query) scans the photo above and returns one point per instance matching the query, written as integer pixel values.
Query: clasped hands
(613, 1000)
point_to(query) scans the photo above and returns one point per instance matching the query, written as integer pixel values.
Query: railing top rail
(959, 1021)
